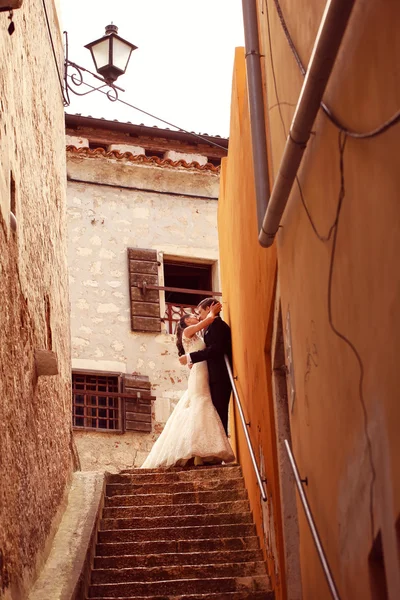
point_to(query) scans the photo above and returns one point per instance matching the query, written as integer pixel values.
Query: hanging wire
(196, 135)
(344, 133)
(328, 112)
(60, 79)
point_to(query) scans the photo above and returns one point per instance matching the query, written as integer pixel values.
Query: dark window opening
(92, 406)
(377, 572)
(216, 161)
(155, 153)
(96, 145)
(184, 276)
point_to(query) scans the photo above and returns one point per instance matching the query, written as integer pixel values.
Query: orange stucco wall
(247, 300)
(346, 416)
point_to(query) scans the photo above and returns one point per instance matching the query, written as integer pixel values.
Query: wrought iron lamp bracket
(74, 78)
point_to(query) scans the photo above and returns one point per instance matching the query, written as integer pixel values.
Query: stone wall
(114, 204)
(35, 439)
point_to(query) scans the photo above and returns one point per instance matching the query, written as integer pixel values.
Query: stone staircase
(178, 534)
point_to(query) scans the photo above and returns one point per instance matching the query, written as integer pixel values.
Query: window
(111, 402)
(185, 285)
(155, 153)
(95, 401)
(184, 276)
(96, 145)
(216, 161)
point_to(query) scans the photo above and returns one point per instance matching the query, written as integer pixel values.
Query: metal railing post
(313, 528)
(246, 433)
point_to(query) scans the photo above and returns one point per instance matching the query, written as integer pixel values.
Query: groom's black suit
(217, 338)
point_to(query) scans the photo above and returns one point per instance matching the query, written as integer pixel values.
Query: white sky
(182, 69)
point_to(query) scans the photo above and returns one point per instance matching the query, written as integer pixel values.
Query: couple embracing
(196, 431)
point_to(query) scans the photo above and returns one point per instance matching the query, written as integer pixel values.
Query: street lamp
(110, 54)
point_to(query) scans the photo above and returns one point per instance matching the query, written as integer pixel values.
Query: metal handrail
(246, 433)
(313, 528)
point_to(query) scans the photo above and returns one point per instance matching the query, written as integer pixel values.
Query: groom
(217, 338)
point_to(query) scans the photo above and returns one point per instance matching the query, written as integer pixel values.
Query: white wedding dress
(194, 428)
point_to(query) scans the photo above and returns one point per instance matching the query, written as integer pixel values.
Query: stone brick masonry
(35, 437)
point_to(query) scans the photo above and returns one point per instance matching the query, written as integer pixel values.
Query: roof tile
(141, 158)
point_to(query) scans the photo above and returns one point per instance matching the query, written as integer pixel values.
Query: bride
(194, 432)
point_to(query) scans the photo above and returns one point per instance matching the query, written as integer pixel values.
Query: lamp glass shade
(121, 52)
(101, 53)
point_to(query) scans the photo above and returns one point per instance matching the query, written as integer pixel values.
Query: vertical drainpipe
(256, 106)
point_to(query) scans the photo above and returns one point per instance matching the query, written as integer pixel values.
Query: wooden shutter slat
(138, 408)
(151, 296)
(145, 309)
(142, 254)
(138, 426)
(142, 417)
(144, 397)
(138, 266)
(140, 278)
(137, 381)
(146, 324)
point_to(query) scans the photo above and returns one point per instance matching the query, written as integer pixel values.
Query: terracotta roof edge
(142, 158)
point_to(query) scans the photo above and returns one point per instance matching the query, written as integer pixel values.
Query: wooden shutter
(145, 306)
(137, 411)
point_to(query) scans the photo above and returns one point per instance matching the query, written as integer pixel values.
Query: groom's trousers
(220, 395)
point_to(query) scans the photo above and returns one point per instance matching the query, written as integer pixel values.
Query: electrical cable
(335, 228)
(60, 80)
(333, 233)
(196, 135)
(328, 112)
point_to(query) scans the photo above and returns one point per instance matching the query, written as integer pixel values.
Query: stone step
(211, 596)
(180, 521)
(176, 546)
(180, 587)
(180, 498)
(167, 573)
(175, 510)
(174, 487)
(178, 534)
(167, 476)
(187, 558)
(206, 532)
(201, 470)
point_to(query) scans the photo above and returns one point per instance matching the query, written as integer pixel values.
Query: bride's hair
(179, 332)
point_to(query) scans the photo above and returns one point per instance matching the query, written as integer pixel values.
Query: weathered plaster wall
(345, 417)
(248, 278)
(106, 217)
(35, 413)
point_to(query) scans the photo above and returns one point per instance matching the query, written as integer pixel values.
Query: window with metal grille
(96, 403)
